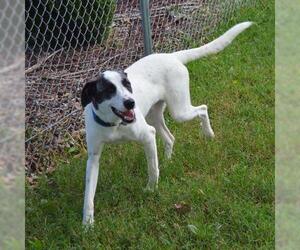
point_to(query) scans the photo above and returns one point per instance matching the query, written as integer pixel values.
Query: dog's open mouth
(126, 116)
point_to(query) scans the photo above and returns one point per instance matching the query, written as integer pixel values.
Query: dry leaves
(182, 208)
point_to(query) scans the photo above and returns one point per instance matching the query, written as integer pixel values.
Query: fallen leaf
(182, 208)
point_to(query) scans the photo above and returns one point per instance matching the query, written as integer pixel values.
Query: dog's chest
(118, 134)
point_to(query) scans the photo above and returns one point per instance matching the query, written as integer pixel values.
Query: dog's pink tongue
(129, 114)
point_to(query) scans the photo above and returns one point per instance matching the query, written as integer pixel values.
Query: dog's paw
(209, 133)
(207, 130)
(151, 187)
(88, 222)
(168, 152)
(87, 226)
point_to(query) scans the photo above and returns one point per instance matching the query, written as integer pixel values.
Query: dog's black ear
(89, 92)
(122, 73)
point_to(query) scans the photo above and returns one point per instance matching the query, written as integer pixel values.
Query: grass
(12, 219)
(227, 184)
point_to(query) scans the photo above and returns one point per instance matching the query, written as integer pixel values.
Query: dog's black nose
(129, 103)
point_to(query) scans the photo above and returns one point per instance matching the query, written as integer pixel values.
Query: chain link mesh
(69, 41)
(11, 89)
(12, 104)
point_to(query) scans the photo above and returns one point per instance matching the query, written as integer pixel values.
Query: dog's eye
(110, 89)
(127, 85)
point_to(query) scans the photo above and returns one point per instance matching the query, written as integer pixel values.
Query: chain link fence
(12, 152)
(69, 41)
(11, 89)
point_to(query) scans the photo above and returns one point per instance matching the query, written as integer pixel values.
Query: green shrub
(52, 24)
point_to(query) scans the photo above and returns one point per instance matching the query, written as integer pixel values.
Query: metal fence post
(145, 13)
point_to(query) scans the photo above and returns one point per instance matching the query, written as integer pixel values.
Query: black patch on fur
(125, 82)
(88, 92)
(97, 91)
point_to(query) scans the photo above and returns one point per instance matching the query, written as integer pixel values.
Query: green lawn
(12, 219)
(226, 185)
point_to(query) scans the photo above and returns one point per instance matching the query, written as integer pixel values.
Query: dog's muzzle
(127, 116)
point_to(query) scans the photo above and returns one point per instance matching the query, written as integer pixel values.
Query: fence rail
(70, 41)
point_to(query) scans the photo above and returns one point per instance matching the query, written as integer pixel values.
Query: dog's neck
(102, 123)
(109, 119)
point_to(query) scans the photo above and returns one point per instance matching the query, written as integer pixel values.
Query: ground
(213, 194)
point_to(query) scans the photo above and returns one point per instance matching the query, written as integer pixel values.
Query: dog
(129, 105)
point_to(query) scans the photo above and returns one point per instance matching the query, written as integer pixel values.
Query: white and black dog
(129, 105)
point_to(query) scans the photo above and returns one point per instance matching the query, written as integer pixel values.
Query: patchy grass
(227, 185)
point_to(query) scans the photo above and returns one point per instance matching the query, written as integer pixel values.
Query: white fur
(158, 80)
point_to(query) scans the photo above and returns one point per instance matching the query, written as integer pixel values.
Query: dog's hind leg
(91, 179)
(191, 112)
(179, 102)
(156, 119)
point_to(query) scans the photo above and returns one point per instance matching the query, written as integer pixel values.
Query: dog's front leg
(149, 142)
(91, 179)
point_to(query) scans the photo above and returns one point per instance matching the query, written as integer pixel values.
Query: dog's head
(111, 94)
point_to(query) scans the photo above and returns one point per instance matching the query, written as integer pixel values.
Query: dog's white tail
(213, 47)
